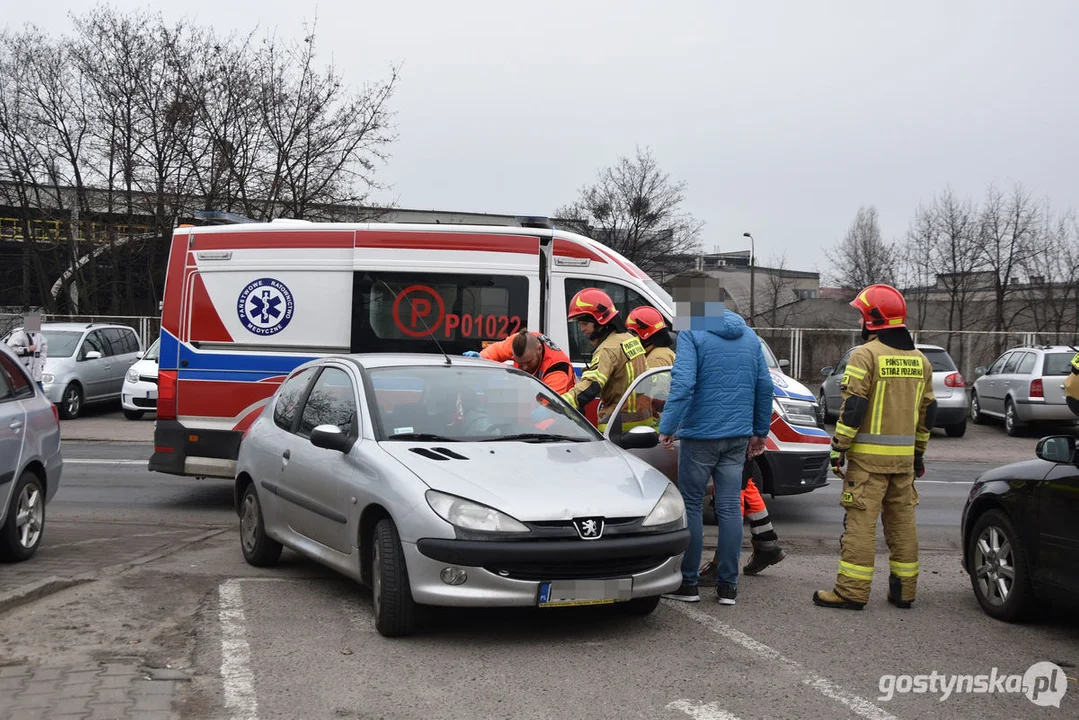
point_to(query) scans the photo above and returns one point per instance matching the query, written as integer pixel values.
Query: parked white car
(139, 394)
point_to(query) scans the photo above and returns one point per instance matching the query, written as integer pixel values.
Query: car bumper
(179, 450)
(54, 391)
(1043, 412)
(139, 395)
(511, 573)
(951, 411)
(795, 473)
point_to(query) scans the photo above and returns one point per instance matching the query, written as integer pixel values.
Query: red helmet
(644, 322)
(594, 303)
(882, 307)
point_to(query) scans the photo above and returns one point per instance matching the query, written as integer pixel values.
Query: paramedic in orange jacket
(537, 355)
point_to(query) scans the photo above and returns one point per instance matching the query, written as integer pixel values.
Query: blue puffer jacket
(720, 385)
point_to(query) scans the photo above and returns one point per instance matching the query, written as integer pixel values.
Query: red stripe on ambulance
(520, 244)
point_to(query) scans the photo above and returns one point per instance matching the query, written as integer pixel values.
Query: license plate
(149, 393)
(568, 593)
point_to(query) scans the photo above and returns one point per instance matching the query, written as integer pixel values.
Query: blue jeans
(722, 461)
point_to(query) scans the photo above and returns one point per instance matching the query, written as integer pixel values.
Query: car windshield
(61, 343)
(1058, 363)
(471, 404)
(152, 353)
(940, 360)
(769, 358)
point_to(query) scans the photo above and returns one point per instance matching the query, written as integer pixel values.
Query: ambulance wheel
(70, 402)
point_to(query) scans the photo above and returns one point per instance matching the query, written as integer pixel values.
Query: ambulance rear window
(403, 312)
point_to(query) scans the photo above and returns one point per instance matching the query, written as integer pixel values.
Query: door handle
(287, 454)
(16, 425)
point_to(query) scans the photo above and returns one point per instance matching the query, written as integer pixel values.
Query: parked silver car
(465, 484)
(949, 387)
(30, 460)
(1024, 386)
(87, 363)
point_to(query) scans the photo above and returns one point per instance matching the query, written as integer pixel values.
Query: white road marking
(858, 705)
(709, 711)
(103, 461)
(236, 675)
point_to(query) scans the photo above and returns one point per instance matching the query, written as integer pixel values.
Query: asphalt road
(298, 641)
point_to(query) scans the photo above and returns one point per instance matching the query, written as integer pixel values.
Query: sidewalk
(108, 427)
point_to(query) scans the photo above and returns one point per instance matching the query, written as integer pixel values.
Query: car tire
(640, 606)
(19, 542)
(133, 414)
(395, 610)
(823, 402)
(259, 549)
(1015, 601)
(70, 404)
(958, 430)
(976, 415)
(1012, 426)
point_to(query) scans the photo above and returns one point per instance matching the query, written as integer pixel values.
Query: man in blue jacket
(720, 409)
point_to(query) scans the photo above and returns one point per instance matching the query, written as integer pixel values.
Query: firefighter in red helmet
(646, 323)
(617, 360)
(881, 435)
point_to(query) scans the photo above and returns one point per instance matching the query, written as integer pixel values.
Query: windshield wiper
(430, 437)
(536, 437)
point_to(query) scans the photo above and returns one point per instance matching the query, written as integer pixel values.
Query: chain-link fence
(146, 327)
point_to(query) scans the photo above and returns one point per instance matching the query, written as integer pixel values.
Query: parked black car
(1021, 531)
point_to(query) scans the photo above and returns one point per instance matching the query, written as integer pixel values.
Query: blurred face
(588, 327)
(530, 360)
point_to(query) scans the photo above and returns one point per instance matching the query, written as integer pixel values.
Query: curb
(54, 584)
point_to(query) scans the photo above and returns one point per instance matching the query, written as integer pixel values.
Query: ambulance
(246, 303)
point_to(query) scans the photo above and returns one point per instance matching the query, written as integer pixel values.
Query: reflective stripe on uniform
(921, 437)
(595, 375)
(878, 407)
(858, 572)
(873, 449)
(845, 430)
(855, 372)
(918, 403)
(902, 569)
(876, 439)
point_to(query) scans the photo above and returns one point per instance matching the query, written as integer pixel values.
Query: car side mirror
(979, 371)
(139, 354)
(331, 437)
(1056, 449)
(784, 364)
(638, 438)
(827, 371)
(92, 355)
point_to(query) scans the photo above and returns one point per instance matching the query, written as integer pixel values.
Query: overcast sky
(782, 117)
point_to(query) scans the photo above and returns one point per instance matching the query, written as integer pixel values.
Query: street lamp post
(752, 278)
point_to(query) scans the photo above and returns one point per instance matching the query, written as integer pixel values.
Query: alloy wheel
(72, 403)
(994, 565)
(376, 578)
(249, 523)
(29, 516)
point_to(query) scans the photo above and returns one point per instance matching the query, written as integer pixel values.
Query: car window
(843, 362)
(288, 399)
(644, 406)
(16, 381)
(1013, 363)
(93, 341)
(332, 402)
(624, 298)
(113, 340)
(940, 360)
(1057, 363)
(6, 393)
(153, 352)
(998, 364)
(1026, 364)
(62, 343)
(468, 404)
(405, 312)
(131, 341)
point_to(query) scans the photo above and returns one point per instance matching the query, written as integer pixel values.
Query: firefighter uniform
(659, 357)
(882, 433)
(616, 362)
(1071, 386)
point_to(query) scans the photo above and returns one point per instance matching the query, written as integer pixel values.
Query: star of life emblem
(265, 306)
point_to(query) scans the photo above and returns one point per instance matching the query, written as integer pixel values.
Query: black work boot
(765, 553)
(895, 593)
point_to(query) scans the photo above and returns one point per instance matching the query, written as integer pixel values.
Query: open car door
(634, 425)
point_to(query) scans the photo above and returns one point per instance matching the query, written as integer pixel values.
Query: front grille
(144, 402)
(577, 570)
(815, 468)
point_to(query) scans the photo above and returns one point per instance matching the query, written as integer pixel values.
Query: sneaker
(725, 594)
(684, 593)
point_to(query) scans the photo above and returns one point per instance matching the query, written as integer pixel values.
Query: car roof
(80, 326)
(922, 346)
(370, 361)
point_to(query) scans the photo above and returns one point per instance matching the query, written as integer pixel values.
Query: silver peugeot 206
(456, 483)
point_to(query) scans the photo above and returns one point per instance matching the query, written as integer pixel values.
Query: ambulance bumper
(179, 450)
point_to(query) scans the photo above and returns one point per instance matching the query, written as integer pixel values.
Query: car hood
(787, 387)
(146, 367)
(1035, 469)
(537, 481)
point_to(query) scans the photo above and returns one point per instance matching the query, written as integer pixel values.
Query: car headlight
(796, 412)
(47, 378)
(469, 515)
(133, 375)
(669, 509)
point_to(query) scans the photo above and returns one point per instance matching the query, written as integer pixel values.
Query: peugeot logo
(589, 528)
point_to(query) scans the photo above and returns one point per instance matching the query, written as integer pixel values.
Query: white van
(244, 304)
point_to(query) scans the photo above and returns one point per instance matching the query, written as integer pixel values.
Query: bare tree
(862, 257)
(918, 272)
(1051, 293)
(636, 209)
(1008, 227)
(955, 253)
(779, 293)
